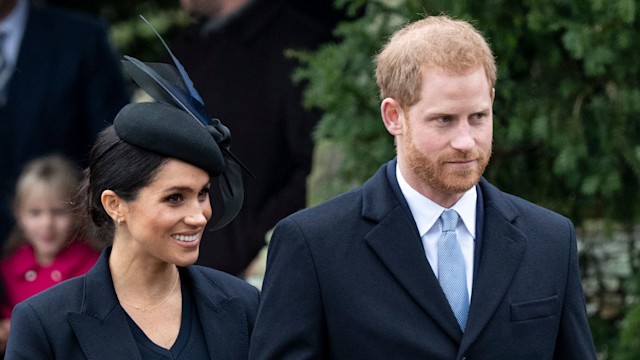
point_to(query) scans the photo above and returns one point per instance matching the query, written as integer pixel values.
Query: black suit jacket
(66, 87)
(349, 280)
(82, 319)
(244, 77)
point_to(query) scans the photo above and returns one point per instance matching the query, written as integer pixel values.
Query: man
(376, 274)
(60, 84)
(235, 55)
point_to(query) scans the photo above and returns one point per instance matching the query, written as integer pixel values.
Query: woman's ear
(113, 205)
(392, 116)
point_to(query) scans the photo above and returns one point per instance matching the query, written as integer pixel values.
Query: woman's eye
(204, 193)
(174, 198)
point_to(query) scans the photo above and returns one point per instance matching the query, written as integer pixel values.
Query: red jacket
(22, 277)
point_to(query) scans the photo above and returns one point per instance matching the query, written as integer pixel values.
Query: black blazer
(349, 280)
(66, 87)
(82, 319)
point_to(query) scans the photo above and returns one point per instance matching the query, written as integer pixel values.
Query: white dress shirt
(426, 214)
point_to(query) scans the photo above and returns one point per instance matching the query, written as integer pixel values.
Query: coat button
(56, 275)
(30, 275)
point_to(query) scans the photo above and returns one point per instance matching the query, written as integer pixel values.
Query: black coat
(349, 279)
(241, 71)
(82, 319)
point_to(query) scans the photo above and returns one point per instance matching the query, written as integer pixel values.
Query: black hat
(171, 132)
(178, 126)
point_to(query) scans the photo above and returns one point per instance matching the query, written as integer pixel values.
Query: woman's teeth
(190, 238)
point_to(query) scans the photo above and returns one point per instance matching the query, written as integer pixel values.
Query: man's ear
(113, 205)
(392, 116)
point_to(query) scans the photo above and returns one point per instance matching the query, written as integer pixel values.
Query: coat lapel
(101, 317)
(395, 240)
(502, 248)
(222, 317)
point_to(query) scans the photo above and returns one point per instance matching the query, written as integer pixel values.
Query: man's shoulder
(497, 198)
(339, 206)
(376, 191)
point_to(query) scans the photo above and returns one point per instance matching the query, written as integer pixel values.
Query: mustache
(458, 156)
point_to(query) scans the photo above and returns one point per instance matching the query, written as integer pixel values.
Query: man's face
(207, 8)
(446, 137)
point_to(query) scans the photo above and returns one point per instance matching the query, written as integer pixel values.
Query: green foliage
(604, 333)
(567, 108)
(629, 342)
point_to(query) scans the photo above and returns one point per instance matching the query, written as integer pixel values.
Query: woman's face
(166, 220)
(46, 223)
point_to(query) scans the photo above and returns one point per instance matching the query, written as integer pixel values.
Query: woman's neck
(136, 276)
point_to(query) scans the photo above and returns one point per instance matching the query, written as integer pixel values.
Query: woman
(147, 189)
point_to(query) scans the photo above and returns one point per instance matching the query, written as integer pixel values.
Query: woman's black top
(190, 343)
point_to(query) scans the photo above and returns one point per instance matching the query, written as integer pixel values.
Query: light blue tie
(451, 268)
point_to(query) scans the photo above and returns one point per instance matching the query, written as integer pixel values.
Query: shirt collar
(426, 212)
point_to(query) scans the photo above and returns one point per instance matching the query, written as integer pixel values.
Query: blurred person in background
(235, 53)
(60, 84)
(45, 246)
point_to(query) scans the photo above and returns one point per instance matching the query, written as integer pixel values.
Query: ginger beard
(433, 170)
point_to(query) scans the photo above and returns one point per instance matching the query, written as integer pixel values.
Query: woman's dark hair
(118, 166)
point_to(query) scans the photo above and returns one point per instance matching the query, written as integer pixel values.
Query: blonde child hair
(51, 175)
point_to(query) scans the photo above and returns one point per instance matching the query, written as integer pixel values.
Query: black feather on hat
(178, 126)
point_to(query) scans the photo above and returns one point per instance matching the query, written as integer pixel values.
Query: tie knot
(449, 220)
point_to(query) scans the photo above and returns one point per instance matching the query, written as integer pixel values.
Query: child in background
(45, 247)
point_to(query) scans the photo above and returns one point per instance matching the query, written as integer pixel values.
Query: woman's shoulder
(66, 295)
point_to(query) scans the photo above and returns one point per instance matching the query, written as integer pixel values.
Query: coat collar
(101, 316)
(396, 241)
